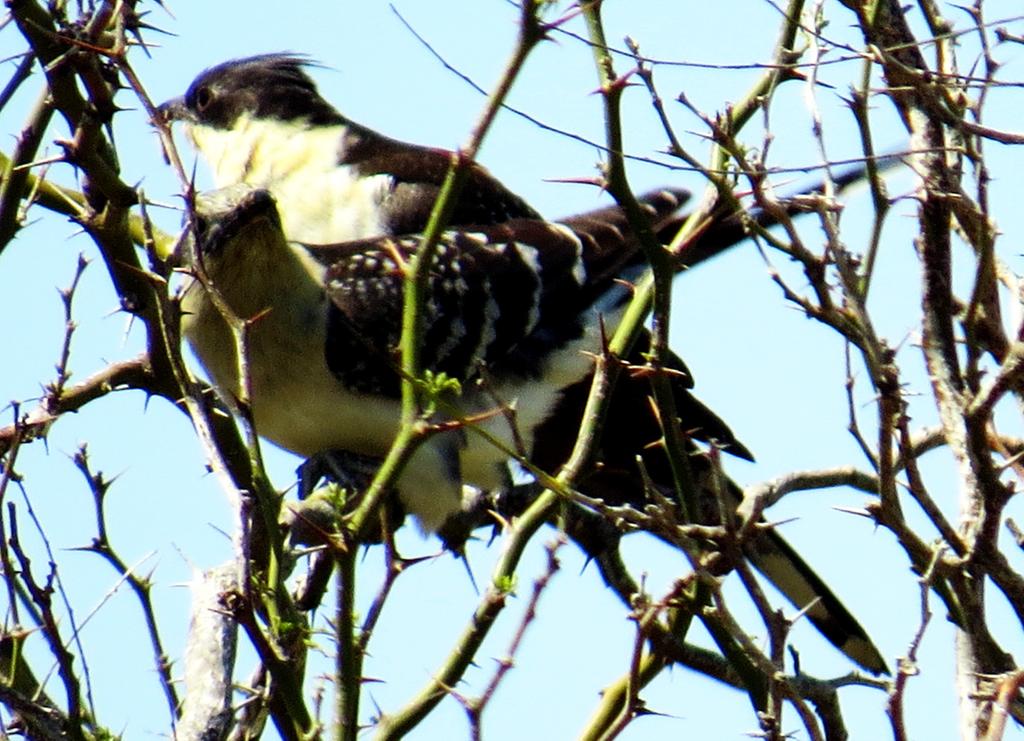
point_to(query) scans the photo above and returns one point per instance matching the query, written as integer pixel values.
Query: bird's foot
(348, 470)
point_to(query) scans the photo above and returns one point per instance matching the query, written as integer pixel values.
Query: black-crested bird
(308, 237)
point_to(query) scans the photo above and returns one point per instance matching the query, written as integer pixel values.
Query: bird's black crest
(268, 86)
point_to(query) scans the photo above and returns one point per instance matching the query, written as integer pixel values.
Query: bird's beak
(175, 110)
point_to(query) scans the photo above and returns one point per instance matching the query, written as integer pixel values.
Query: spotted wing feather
(491, 294)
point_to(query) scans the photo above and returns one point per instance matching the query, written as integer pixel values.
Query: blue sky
(774, 375)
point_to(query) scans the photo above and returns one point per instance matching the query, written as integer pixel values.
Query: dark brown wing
(418, 173)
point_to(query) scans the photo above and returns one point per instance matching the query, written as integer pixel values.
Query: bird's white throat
(320, 200)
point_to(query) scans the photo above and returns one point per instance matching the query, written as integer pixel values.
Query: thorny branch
(974, 357)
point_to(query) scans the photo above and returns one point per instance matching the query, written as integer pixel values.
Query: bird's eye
(203, 98)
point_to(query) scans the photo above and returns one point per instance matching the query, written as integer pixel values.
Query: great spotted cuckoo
(309, 231)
